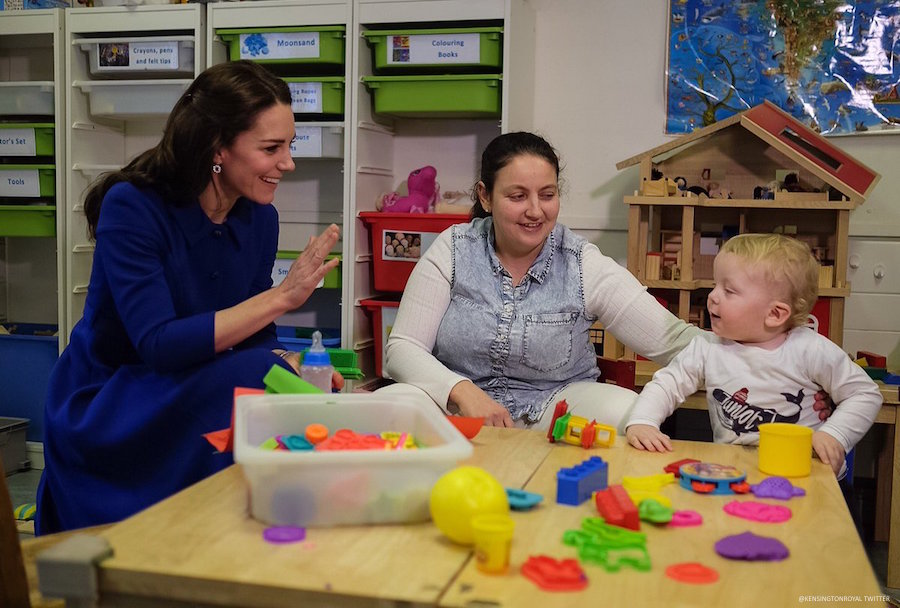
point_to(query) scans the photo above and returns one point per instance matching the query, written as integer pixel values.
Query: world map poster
(832, 65)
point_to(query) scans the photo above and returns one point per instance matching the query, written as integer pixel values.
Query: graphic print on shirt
(737, 413)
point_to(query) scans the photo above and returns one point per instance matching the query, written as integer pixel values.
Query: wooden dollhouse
(757, 171)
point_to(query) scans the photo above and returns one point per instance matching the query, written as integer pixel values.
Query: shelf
(703, 201)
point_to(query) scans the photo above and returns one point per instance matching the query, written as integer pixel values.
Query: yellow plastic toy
(640, 489)
(461, 494)
(588, 434)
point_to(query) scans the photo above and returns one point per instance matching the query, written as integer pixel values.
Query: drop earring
(217, 168)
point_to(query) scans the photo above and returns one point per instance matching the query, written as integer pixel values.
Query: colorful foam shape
(750, 547)
(693, 573)
(776, 487)
(686, 518)
(554, 575)
(758, 511)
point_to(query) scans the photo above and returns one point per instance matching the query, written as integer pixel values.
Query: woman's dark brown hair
(220, 104)
(501, 151)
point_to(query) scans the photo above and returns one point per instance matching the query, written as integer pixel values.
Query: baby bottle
(316, 368)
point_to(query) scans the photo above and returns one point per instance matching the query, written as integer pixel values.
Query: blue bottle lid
(316, 355)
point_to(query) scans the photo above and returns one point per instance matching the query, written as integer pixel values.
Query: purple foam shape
(776, 487)
(758, 511)
(750, 547)
(280, 535)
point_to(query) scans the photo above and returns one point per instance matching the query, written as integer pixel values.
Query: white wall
(599, 98)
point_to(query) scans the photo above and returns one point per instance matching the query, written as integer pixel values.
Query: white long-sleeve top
(611, 293)
(747, 386)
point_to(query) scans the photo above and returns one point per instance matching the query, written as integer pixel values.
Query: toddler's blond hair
(783, 260)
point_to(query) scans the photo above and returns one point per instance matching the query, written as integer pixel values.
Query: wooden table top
(201, 546)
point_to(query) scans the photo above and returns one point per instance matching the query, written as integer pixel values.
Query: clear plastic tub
(26, 98)
(149, 56)
(132, 99)
(343, 487)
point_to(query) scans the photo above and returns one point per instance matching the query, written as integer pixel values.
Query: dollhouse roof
(792, 138)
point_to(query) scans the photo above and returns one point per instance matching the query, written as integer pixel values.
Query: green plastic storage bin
(447, 49)
(447, 95)
(284, 259)
(27, 220)
(321, 45)
(10, 180)
(16, 138)
(324, 95)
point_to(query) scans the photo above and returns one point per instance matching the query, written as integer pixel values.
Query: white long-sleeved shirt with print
(747, 386)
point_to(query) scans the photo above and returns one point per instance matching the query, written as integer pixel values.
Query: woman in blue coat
(180, 307)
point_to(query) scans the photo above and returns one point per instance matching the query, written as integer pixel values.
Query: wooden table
(200, 546)
(887, 467)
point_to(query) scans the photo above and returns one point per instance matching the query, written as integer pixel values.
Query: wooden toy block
(872, 359)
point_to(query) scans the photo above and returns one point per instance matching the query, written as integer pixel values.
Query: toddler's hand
(646, 437)
(829, 450)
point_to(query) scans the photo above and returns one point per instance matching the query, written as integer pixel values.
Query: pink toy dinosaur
(423, 193)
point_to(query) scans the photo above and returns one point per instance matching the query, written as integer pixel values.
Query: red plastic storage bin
(384, 313)
(399, 240)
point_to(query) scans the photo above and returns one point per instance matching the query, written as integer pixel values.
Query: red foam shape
(467, 425)
(616, 507)
(554, 575)
(692, 572)
(561, 408)
(674, 467)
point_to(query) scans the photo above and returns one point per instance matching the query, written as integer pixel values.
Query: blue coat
(140, 382)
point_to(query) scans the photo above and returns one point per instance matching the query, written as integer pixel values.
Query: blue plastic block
(575, 485)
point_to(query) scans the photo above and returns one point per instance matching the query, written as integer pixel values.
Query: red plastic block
(879, 361)
(552, 575)
(616, 508)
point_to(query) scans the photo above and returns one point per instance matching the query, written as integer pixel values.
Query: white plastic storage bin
(318, 140)
(152, 56)
(132, 99)
(315, 488)
(26, 98)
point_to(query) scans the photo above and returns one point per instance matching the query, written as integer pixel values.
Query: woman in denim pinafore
(495, 318)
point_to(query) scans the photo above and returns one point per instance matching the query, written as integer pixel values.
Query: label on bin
(138, 55)
(433, 48)
(20, 182)
(306, 97)
(307, 142)
(280, 45)
(405, 246)
(17, 142)
(280, 271)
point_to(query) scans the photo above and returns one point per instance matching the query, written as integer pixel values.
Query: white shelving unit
(385, 150)
(31, 67)
(109, 120)
(316, 193)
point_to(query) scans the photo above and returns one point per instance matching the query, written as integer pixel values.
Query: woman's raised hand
(310, 267)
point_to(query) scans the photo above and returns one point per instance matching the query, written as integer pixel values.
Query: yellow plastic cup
(785, 449)
(493, 534)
